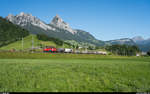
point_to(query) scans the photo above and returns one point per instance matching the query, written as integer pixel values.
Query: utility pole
(22, 43)
(86, 48)
(32, 43)
(63, 44)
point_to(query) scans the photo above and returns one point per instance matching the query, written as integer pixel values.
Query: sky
(104, 19)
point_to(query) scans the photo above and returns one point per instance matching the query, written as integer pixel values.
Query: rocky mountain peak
(10, 17)
(24, 19)
(57, 16)
(58, 22)
(22, 13)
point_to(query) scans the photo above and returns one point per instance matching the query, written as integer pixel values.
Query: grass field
(41, 72)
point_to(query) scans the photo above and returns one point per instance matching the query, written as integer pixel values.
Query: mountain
(57, 28)
(10, 33)
(138, 39)
(144, 44)
(122, 41)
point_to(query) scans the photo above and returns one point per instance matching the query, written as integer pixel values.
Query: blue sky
(104, 19)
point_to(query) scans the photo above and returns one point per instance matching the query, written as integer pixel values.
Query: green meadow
(45, 72)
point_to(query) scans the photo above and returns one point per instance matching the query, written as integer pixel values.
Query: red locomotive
(50, 49)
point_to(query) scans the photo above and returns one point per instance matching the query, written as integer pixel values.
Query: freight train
(68, 50)
(57, 50)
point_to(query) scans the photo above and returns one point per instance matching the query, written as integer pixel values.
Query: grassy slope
(28, 43)
(103, 74)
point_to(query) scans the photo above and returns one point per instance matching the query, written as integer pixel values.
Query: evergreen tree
(148, 53)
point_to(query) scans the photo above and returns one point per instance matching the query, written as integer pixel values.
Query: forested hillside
(10, 33)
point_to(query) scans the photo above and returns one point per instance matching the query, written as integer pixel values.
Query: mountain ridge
(57, 28)
(121, 41)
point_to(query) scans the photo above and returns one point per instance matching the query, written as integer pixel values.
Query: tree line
(124, 50)
(46, 38)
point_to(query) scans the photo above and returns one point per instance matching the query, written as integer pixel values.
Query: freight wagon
(67, 50)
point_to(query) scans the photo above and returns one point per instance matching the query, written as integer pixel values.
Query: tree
(77, 47)
(97, 47)
(148, 53)
(90, 48)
